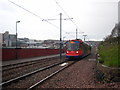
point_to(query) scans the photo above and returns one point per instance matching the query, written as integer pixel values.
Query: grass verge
(109, 55)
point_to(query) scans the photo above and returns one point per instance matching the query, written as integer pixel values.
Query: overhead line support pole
(76, 33)
(84, 37)
(60, 35)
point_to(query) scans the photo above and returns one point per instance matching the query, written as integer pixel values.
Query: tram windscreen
(73, 46)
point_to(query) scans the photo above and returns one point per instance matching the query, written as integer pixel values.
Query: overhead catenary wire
(52, 19)
(69, 17)
(67, 14)
(32, 13)
(42, 19)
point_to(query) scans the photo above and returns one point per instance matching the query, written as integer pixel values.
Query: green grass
(109, 55)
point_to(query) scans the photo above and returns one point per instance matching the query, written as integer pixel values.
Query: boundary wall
(21, 53)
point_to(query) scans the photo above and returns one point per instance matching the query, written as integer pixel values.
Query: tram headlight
(77, 52)
(67, 52)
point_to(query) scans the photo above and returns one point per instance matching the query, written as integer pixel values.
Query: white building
(6, 39)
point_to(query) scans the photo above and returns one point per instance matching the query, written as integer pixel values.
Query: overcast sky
(96, 18)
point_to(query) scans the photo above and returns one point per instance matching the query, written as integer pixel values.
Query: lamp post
(16, 39)
(16, 32)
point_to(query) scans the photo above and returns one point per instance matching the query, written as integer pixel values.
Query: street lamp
(16, 40)
(16, 32)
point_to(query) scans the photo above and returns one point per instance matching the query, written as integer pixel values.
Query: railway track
(14, 71)
(49, 76)
(34, 78)
(22, 64)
